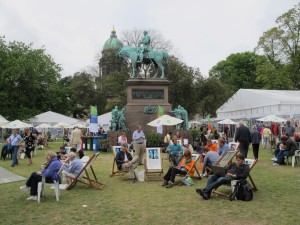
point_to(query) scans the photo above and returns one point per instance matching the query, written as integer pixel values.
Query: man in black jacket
(126, 162)
(237, 171)
(243, 136)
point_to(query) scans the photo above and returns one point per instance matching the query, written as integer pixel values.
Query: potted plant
(153, 139)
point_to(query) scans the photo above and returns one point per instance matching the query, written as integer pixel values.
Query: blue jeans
(280, 156)
(176, 158)
(214, 181)
(15, 155)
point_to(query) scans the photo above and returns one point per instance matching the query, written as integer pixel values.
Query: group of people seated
(72, 166)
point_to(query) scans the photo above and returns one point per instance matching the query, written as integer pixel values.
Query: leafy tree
(211, 94)
(280, 45)
(238, 70)
(28, 80)
(132, 38)
(182, 86)
(83, 94)
(113, 90)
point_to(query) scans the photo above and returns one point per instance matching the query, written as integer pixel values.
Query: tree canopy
(28, 80)
(280, 45)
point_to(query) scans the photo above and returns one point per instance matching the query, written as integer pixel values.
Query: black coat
(120, 158)
(243, 134)
(291, 146)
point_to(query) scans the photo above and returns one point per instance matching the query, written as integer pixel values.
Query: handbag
(188, 181)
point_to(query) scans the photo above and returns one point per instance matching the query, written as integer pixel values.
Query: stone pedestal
(142, 93)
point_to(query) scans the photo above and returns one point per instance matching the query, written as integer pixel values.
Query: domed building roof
(113, 42)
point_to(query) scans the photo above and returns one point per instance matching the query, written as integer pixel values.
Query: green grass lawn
(120, 202)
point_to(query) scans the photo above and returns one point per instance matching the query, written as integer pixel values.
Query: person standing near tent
(243, 136)
(256, 138)
(266, 133)
(76, 138)
(29, 144)
(15, 141)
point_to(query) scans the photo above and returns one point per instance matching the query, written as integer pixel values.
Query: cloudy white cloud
(203, 32)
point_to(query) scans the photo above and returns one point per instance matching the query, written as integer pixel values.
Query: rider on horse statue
(146, 46)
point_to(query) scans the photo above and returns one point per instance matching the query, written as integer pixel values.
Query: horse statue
(155, 57)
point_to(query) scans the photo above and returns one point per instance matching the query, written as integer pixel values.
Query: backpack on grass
(242, 191)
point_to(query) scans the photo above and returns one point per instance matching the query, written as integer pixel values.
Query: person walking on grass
(29, 144)
(15, 141)
(256, 138)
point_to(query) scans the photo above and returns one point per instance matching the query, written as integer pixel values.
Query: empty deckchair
(87, 175)
(153, 163)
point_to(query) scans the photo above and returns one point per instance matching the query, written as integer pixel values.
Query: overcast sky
(203, 32)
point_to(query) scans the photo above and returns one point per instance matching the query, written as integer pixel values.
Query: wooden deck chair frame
(149, 172)
(196, 157)
(251, 163)
(84, 176)
(226, 159)
(115, 170)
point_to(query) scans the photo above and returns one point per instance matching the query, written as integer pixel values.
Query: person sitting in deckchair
(125, 161)
(185, 166)
(175, 151)
(210, 158)
(211, 146)
(72, 169)
(237, 171)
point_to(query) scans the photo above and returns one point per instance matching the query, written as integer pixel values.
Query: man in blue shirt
(74, 168)
(15, 140)
(223, 147)
(139, 144)
(175, 151)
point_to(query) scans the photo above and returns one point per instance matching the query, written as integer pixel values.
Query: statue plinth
(143, 93)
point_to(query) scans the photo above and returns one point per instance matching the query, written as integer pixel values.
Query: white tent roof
(52, 118)
(250, 103)
(3, 120)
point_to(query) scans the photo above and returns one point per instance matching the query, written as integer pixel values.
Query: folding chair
(84, 177)
(294, 158)
(115, 170)
(55, 185)
(227, 158)
(153, 163)
(251, 163)
(196, 157)
(234, 146)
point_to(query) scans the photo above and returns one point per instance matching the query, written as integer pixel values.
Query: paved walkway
(7, 176)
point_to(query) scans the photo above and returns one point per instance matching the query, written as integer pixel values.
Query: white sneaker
(274, 159)
(33, 198)
(24, 188)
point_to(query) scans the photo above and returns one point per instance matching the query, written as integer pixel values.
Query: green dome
(113, 42)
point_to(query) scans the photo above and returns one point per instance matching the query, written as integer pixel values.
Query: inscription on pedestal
(147, 94)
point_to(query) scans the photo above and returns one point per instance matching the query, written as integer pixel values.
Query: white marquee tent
(254, 103)
(52, 118)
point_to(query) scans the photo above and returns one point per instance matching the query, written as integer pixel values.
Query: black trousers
(255, 150)
(33, 181)
(244, 147)
(170, 175)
